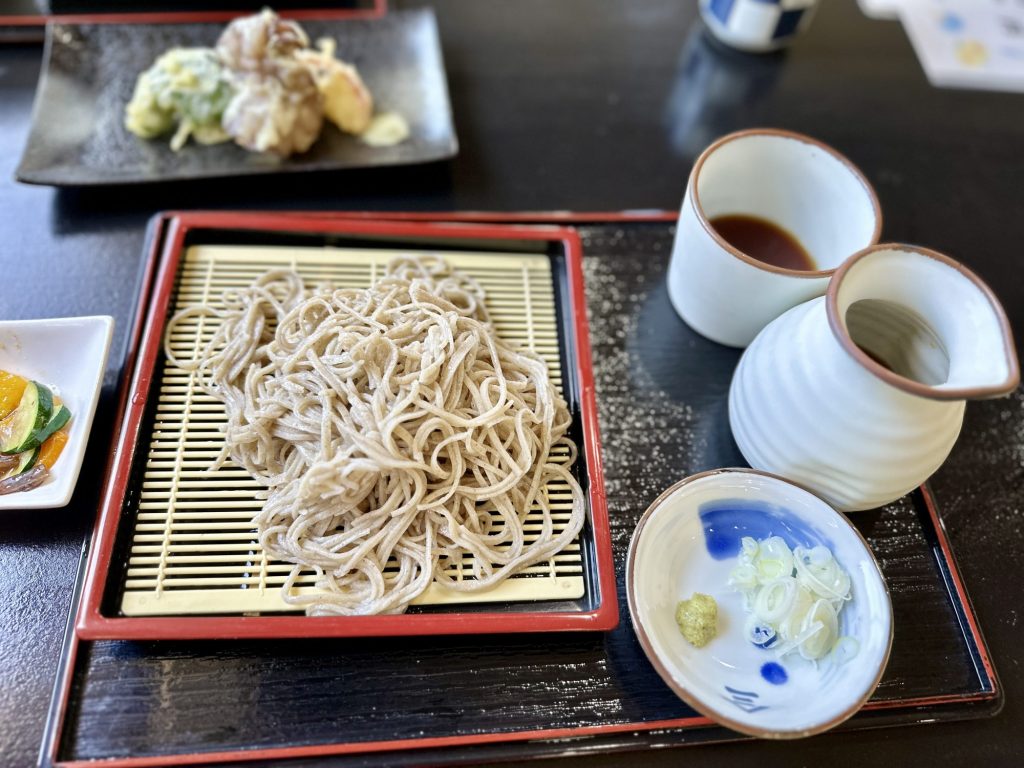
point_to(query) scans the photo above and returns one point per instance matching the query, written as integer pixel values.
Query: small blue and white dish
(757, 26)
(688, 542)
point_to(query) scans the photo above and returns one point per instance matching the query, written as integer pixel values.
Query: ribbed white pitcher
(859, 395)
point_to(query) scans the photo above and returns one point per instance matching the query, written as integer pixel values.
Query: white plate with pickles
(51, 372)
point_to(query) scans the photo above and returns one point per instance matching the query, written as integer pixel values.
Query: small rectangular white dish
(68, 355)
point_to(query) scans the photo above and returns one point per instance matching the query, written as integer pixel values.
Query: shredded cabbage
(775, 600)
(822, 616)
(792, 624)
(794, 598)
(817, 570)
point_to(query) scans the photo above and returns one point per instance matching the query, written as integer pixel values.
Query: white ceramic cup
(793, 181)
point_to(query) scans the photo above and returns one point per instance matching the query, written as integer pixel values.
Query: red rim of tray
(375, 10)
(92, 624)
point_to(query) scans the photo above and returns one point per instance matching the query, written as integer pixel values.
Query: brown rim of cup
(781, 133)
(903, 383)
(678, 689)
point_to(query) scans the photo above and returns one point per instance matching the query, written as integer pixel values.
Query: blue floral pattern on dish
(745, 700)
(727, 521)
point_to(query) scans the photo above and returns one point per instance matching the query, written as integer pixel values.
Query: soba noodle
(400, 441)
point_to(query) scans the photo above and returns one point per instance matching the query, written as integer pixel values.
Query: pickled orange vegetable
(11, 389)
(50, 450)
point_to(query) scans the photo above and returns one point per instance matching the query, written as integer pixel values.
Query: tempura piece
(186, 87)
(253, 43)
(280, 111)
(347, 101)
(263, 87)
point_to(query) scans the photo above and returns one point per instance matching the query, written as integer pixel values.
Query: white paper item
(968, 43)
(880, 9)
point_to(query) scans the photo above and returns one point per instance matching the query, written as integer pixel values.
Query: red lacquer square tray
(146, 577)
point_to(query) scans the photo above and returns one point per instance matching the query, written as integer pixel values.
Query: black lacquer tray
(661, 392)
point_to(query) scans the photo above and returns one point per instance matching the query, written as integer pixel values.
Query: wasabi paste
(698, 619)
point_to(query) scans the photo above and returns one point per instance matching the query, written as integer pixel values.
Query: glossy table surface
(587, 106)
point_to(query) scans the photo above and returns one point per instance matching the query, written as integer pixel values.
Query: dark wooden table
(594, 106)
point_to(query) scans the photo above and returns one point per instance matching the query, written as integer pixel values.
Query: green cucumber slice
(19, 428)
(59, 418)
(26, 460)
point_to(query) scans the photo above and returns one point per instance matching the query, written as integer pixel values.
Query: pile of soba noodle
(394, 431)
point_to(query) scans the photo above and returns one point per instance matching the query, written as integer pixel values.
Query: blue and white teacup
(757, 25)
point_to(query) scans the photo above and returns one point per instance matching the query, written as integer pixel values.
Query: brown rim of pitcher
(685, 695)
(781, 133)
(908, 385)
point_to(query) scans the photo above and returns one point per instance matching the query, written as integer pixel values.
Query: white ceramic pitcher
(859, 395)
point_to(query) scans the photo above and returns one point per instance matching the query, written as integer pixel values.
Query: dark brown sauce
(765, 241)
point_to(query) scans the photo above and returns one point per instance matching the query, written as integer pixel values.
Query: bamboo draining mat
(193, 549)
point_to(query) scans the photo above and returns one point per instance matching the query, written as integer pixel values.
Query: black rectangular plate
(78, 136)
(661, 393)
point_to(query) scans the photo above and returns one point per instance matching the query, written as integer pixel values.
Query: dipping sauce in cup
(765, 241)
(767, 217)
